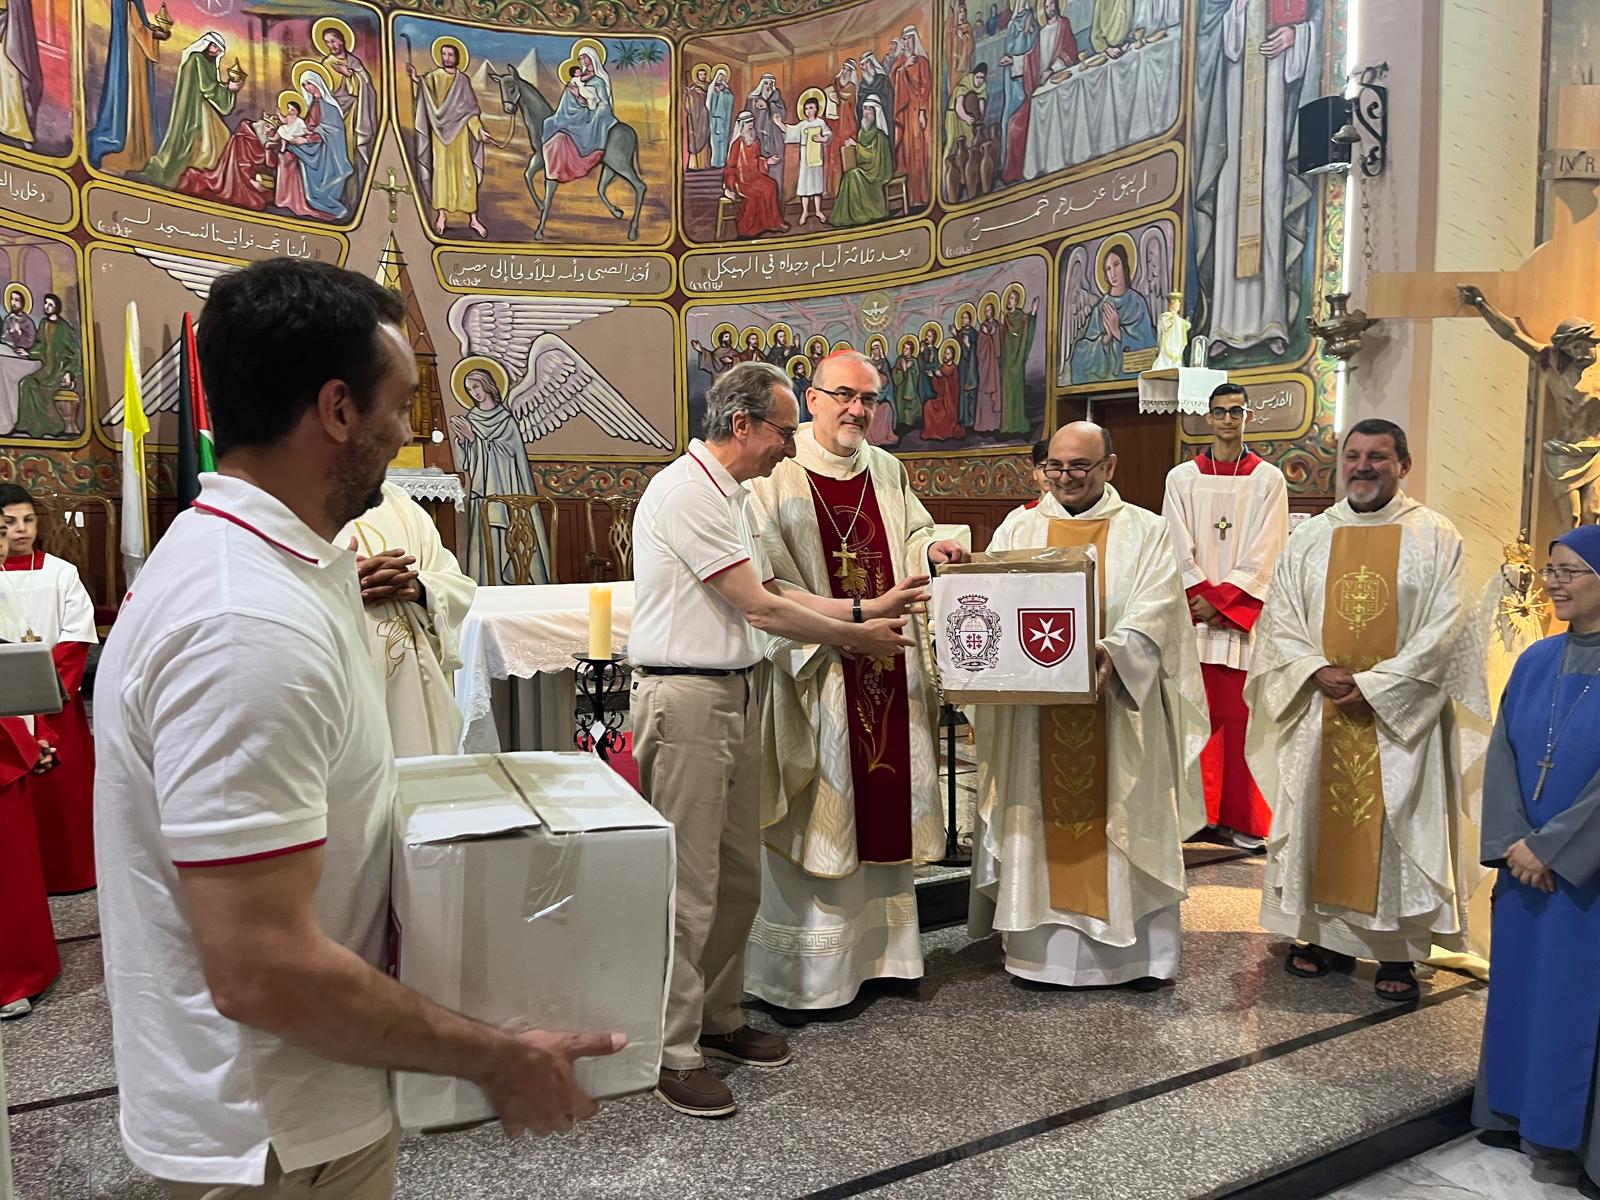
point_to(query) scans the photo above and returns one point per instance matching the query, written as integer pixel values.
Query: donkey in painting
(619, 158)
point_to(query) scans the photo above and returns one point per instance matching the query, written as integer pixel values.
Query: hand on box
(881, 638)
(947, 551)
(909, 595)
(1102, 669)
(532, 1088)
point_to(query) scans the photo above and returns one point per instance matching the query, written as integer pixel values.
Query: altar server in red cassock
(29, 962)
(43, 600)
(1229, 515)
(851, 795)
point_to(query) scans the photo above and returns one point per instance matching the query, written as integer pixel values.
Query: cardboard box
(1017, 627)
(536, 889)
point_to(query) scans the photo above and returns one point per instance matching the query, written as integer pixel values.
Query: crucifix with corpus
(1549, 307)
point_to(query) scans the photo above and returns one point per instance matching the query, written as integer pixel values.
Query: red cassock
(746, 177)
(29, 962)
(63, 800)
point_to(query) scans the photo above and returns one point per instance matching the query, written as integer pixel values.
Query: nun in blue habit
(1541, 828)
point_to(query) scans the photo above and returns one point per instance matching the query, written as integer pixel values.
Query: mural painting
(270, 108)
(1039, 87)
(821, 124)
(36, 77)
(1114, 289)
(42, 364)
(516, 137)
(961, 356)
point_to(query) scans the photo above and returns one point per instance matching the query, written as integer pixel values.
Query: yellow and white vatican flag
(135, 425)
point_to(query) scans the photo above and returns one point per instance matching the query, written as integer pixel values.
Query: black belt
(710, 672)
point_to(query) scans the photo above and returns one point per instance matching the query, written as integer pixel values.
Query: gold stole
(1360, 628)
(1073, 769)
(1252, 141)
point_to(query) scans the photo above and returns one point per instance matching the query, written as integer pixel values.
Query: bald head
(1081, 457)
(1080, 440)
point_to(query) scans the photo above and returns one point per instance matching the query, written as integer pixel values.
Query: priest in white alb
(1228, 510)
(1085, 883)
(1362, 655)
(851, 796)
(416, 597)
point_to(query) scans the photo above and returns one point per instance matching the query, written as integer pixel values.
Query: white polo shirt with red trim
(238, 716)
(692, 524)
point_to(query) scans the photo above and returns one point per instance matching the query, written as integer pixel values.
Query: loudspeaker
(1319, 121)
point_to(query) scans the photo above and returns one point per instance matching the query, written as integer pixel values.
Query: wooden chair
(521, 536)
(617, 563)
(64, 532)
(727, 210)
(897, 192)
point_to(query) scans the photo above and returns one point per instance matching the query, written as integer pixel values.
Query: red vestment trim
(273, 542)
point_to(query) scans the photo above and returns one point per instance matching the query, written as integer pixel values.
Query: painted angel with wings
(1078, 302)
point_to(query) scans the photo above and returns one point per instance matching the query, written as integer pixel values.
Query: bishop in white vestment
(414, 614)
(1228, 510)
(1362, 654)
(851, 795)
(1154, 726)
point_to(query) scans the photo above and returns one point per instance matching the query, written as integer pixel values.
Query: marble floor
(1466, 1170)
(969, 1084)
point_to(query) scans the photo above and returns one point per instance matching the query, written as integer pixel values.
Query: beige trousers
(697, 741)
(365, 1175)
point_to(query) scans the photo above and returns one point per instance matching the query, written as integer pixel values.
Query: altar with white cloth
(1090, 110)
(14, 368)
(515, 687)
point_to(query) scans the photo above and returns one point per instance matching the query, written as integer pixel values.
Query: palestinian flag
(195, 451)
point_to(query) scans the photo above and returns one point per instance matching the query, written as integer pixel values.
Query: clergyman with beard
(245, 776)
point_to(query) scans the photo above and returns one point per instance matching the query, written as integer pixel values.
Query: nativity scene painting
(822, 124)
(960, 358)
(268, 109)
(42, 392)
(1034, 88)
(515, 137)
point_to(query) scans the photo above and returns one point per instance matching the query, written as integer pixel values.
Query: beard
(358, 485)
(849, 435)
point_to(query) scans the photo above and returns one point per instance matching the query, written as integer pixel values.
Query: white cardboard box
(538, 888)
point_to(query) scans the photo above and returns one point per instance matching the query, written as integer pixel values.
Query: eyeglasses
(1235, 412)
(848, 396)
(786, 432)
(1564, 575)
(1055, 470)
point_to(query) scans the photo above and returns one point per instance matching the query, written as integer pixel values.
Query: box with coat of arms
(1016, 627)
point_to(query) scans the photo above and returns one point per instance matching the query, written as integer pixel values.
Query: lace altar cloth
(429, 483)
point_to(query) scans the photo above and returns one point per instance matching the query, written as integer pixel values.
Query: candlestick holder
(599, 727)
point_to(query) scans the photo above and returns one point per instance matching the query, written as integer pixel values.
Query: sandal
(1397, 972)
(1326, 961)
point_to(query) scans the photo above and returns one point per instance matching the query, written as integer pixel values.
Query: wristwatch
(855, 610)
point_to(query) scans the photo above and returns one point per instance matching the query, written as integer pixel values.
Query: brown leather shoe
(696, 1093)
(748, 1046)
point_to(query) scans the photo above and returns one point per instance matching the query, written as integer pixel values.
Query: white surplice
(416, 644)
(1439, 665)
(1254, 509)
(828, 922)
(1156, 726)
(50, 604)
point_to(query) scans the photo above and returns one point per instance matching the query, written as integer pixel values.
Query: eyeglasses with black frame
(1235, 411)
(786, 432)
(1564, 574)
(1055, 470)
(848, 396)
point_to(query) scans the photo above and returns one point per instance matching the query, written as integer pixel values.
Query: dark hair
(1378, 427)
(1105, 436)
(273, 333)
(980, 68)
(1227, 389)
(13, 493)
(1041, 452)
(51, 296)
(1118, 249)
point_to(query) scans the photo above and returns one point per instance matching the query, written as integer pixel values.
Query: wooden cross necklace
(848, 573)
(1222, 527)
(1554, 735)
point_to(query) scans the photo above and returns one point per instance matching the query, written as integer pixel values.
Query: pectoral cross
(1222, 527)
(30, 636)
(1545, 763)
(395, 191)
(849, 571)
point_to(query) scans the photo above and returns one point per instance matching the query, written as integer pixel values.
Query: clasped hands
(386, 576)
(1339, 685)
(1205, 612)
(47, 758)
(1524, 864)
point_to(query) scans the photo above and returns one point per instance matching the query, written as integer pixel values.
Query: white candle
(600, 621)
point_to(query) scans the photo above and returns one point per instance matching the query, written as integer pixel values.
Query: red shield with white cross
(1047, 634)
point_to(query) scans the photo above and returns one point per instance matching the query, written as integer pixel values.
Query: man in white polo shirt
(246, 776)
(703, 597)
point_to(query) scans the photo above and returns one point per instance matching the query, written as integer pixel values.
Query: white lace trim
(429, 483)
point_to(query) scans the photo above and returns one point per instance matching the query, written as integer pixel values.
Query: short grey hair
(845, 356)
(746, 388)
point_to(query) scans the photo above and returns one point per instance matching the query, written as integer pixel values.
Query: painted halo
(966, 306)
(476, 362)
(726, 327)
(798, 361)
(986, 300)
(325, 24)
(14, 289)
(938, 331)
(912, 343)
(817, 346)
(462, 57)
(578, 47)
(811, 94)
(702, 74)
(744, 337)
(306, 66)
(1128, 248)
(839, 347)
(773, 329)
(1022, 294)
(880, 342)
(950, 344)
(290, 96)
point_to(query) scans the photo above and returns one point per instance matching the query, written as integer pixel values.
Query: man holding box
(851, 784)
(1361, 657)
(704, 593)
(1228, 510)
(1082, 808)
(242, 807)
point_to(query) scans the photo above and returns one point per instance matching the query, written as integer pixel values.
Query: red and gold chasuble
(876, 697)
